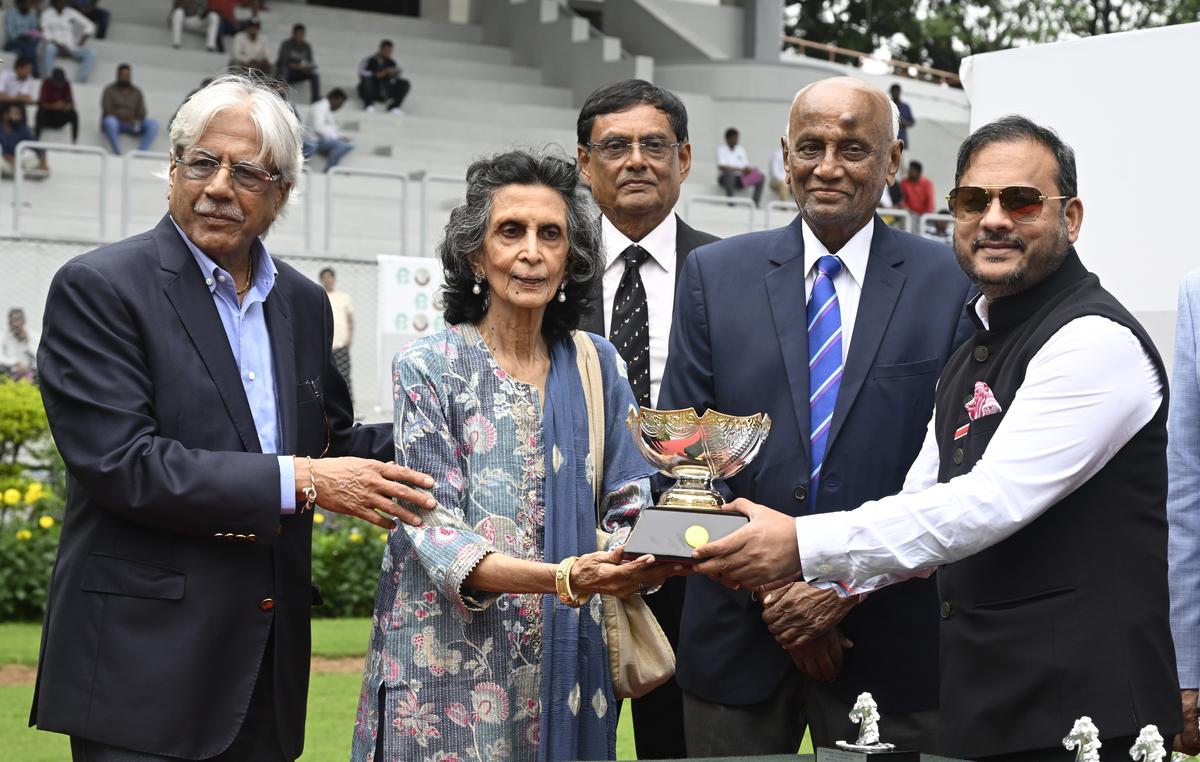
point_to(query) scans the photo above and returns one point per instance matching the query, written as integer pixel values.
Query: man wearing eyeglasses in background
(634, 153)
(837, 326)
(191, 390)
(1039, 494)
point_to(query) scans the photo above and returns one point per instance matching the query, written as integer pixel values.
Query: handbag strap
(593, 395)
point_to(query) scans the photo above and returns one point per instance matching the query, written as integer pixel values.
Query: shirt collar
(659, 242)
(854, 254)
(265, 271)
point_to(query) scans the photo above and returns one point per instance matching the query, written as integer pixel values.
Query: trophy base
(665, 532)
(864, 755)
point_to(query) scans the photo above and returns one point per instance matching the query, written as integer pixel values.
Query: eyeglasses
(248, 177)
(316, 391)
(1022, 203)
(614, 149)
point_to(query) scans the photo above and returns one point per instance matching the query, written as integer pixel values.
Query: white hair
(279, 131)
(895, 111)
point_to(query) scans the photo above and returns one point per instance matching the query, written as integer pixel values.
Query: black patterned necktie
(630, 327)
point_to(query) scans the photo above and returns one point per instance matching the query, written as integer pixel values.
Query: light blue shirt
(245, 326)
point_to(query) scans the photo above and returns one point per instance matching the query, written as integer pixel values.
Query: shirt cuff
(287, 485)
(821, 540)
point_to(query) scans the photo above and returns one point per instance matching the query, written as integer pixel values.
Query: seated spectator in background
(17, 84)
(13, 130)
(379, 80)
(97, 15)
(918, 191)
(124, 112)
(56, 106)
(779, 182)
(21, 32)
(734, 167)
(322, 135)
(893, 195)
(194, 16)
(250, 49)
(296, 63)
(66, 32)
(18, 348)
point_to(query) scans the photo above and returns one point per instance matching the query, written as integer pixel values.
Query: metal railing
(901, 68)
(895, 217)
(929, 225)
(751, 209)
(401, 176)
(424, 179)
(37, 145)
(788, 207)
(127, 160)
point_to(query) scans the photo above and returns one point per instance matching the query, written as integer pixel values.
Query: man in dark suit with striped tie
(837, 326)
(634, 153)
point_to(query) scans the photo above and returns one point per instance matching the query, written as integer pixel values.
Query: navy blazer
(739, 344)
(175, 564)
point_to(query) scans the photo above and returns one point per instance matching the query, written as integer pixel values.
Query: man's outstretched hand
(761, 552)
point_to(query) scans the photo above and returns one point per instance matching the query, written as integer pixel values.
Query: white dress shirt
(1086, 393)
(246, 49)
(66, 27)
(321, 121)
(732, 157)
(13, 86)
(848, 281)
(658, 277)
(778, 168)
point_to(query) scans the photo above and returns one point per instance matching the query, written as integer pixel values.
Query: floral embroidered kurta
(461, 668)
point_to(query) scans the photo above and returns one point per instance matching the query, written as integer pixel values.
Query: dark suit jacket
(687, 239)
(739, 345)
(172, 540)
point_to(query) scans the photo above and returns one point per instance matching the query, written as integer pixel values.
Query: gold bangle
(310, 492)
(562, 584)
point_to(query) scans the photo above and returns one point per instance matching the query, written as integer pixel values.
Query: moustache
(997, 238)
(210, 208)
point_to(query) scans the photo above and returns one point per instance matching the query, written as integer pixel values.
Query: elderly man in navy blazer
(847, 376)
(190, 386)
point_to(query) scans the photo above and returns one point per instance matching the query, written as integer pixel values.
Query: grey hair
(468, 225)
(279, 131)
(787, 131)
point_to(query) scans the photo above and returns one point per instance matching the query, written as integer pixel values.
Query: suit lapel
(881, 289)
(279, 326)
(184, 286)
(785, 292)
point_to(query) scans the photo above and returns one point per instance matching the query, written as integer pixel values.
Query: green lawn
(332, 698)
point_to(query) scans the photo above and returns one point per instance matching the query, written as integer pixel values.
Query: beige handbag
(639, 655)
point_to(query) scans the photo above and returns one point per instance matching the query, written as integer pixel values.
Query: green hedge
(346, 552)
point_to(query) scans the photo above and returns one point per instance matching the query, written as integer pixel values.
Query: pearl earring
(477, 289)
(562, 292)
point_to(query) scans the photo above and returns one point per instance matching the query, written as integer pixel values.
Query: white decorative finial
(865, 714)
(1149, 746)
(1086, 737)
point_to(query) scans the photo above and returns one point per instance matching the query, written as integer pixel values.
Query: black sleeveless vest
(1069, 615)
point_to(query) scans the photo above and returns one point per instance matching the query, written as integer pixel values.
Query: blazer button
(947, 609)
(279, 529)
(266, 604)
(800, 493)
(240, 536)
(957, 457)
(251, 538)
(981, 353)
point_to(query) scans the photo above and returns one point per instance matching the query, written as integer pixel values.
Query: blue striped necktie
(824, 363)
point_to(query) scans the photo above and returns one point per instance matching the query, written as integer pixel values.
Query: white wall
(1126, 104)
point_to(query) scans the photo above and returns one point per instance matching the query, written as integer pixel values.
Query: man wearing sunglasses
(846, 367)
(192, 392)
(1039, 494)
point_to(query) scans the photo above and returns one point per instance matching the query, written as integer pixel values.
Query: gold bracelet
(310, 492)
(562, 584)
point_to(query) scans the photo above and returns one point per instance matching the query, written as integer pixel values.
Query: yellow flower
(383, 536)
(356, 536)
(46, 522)
(12, 496)
(24, 534)
(318, 518)
(33, 495)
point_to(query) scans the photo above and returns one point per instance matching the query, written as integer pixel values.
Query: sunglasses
(1022, 203)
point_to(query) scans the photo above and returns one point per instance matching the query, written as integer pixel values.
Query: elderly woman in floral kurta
(475, 654)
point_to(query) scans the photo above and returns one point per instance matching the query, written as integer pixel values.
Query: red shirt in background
(918, 196)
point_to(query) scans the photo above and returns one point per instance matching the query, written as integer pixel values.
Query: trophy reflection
(694, 450)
